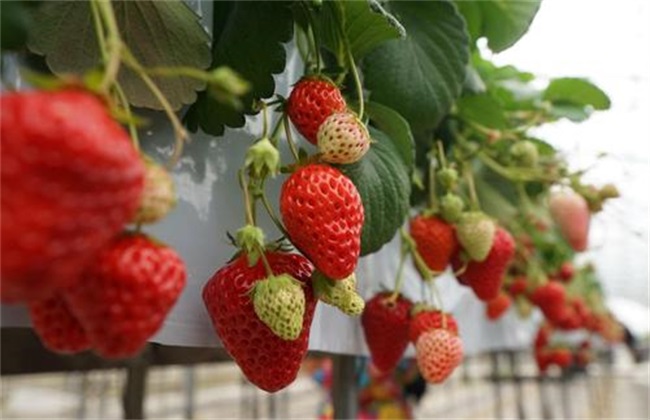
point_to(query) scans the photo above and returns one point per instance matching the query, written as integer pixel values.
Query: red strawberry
(435, 239)
(543, 336)
(566, 272)
(518, 286)
(125, 296)
(386, 327)
(423, 320)
(550, 298)
(57, 328)
(438, 352)
(486, 277)
(542, 359)
(267, 360)
(560, 356)
(70, 180)
(498, 306)
(323, 215)
(312, 100)
(571, 213)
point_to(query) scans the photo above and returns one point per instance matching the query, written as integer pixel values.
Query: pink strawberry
(435, 240)
(571, 213)
(70, 180)
(385, 324)
(486, 277)
(267, 360)
(312, 100)
(323, 215)
(438, 352)
(126, 294)
(342, 138)
(57, 328)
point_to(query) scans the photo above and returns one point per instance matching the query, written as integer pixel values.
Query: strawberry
(70, 180)
(126, 294)
(550, 298)
(560, 356)
(159, 195)
(571, 213)
(425, 319)
(323, 215)
(542, 359)
(566, 272)
(342, 138)
(475, 232)
(518, 286)
(312, 100)
(486, 277)
(543, 336)
(435, 241)
(57, 328)
(279, 302)
(438, 352)
(385, 323)
(498, 306)
(341, 294)
(267, 360)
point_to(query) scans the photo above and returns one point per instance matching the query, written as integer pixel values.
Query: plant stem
(272, 215)
(355, 75)
(441, 154)
(265, 262)
(287, 132)
(433, 202)
(436, 294)
(248, 208)
(113, 44)
(399, 278)
(127, 108)
(472, 188)
(265, 120)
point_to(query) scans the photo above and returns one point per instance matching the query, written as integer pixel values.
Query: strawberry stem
(113, 43)
(469, 176)
(248, 208)
(399, 278)
(272, 215)
(287, 132)
(355, 75)
(441, 154)
(265, 119)
(433, 199)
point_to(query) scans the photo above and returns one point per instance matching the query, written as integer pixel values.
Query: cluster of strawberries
(391, 321)
(561, 355)
(262, 310)
(71, 182)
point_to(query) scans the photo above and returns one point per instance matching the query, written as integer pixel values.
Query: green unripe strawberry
(339, 293)
(343, 138)
(524, 153)
(448, 178)
(475, 232)
(279, 302)
(451, 207)
(609, 191)
(159, 194)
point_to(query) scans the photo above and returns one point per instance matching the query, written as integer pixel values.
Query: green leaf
(482, 109)
(248, 38)
(15, 23)
(158, 33)
(394, 126)
(503, 22)
(367, 25)
(383, 182)
(578, 92)
(571, 112)
(421, 75)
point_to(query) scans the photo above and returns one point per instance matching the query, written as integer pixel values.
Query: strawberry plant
(396, 117)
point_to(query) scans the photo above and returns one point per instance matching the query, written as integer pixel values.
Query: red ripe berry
(435, 240)
(70, 181)
(125, 296)
(386, 327)
(438, 352)
(543, 336)
(518, 286)
(312, 100)
(486, 277)
(267, 360)
(566, 272)
(57, 328)
(498, 306)
(560, 356)
(542, 359)
(428, 320)
(323, 215)
(551, 299)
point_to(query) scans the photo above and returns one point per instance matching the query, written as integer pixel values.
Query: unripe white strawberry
(475, 232)
(159, 195)
(343, 138)
(339, 293)
(279, 302)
